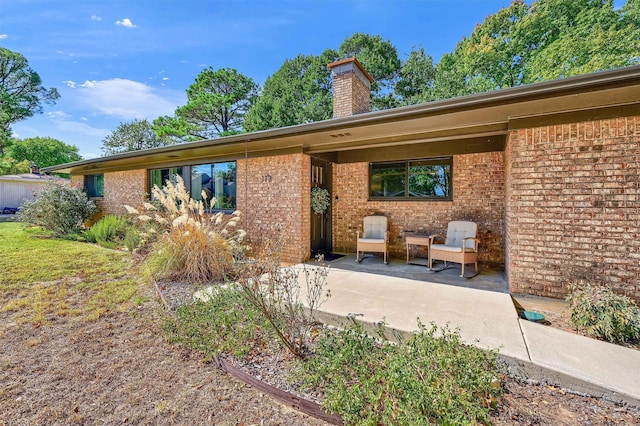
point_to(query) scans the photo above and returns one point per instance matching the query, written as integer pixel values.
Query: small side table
(413, 241)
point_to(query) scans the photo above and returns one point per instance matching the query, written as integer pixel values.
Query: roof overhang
(475, 123)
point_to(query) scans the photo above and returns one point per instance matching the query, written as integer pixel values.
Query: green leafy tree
(9, 166)
(133, 136)
(217, 104)
(21, 93)
(380, 58)
(597, 38)
(416, 78)
(299, 92)
(176, 129)
(491, 58)
(550, 39)
(43, 151)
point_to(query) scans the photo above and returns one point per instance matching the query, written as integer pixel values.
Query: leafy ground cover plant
(275, 291)
(222, 322)
(58, 208)
(601, 313)
(194, 245)
(433, 378)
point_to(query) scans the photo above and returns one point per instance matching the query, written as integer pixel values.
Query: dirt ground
(119, 370)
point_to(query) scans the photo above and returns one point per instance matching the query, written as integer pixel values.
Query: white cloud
(96, 18)
(126, 22)
(127, 99)
(3, 36)
(165, 78)
(70, 83)
(57, 115)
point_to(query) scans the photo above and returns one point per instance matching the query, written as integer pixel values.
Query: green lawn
(42, 278)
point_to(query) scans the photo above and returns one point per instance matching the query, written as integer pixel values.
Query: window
(94, 185)
(217, 180)
(159, 177)
(426, 179)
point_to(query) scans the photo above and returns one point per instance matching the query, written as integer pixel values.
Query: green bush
(432, 378)
(601, 313)
(58, 208)
(110, 231)
(222, 323)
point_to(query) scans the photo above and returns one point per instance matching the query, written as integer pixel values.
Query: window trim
(444, 160)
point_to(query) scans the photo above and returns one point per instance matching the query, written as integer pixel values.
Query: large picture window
(94, 185)
(425, 179)
(217, 180)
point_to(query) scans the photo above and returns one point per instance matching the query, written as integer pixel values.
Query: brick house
(549, 171)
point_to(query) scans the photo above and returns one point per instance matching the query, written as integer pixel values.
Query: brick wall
(351, 95)
(572, 208)
(128, 187)
(478, 195)
(273, 192)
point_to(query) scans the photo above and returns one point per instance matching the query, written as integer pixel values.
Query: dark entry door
(321, 222)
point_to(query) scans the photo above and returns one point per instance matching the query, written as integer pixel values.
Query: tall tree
(550, 39)
(299, 92)
(416, 78)
(133, 136)
(380, 58)
(43, 151)
(217, 104)
(596, 38)
(21, 93)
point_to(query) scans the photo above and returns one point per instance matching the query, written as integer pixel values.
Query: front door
(321, 222)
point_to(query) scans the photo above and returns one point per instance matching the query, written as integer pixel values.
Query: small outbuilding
(16, 189)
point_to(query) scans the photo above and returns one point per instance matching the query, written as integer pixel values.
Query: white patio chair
(374, 237)
(460, 246)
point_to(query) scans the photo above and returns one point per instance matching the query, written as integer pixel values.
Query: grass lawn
(43, 278)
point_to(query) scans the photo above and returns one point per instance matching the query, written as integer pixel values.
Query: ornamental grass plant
(193, 243)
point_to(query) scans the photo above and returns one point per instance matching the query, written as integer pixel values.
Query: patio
(487, 279)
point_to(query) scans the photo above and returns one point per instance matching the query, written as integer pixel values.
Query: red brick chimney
(351, 88)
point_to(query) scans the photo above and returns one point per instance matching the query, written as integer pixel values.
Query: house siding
(572, 213)
(478, 195)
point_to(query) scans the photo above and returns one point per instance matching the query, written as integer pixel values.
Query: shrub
(58, 208)
(193, 245)
(428, 379)
(601, 313)
(222, 323)
(275, 292)
(110, 231)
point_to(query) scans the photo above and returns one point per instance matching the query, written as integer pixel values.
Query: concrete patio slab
(485, 318)
(600, 366)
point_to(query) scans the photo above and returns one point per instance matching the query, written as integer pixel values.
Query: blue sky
(114, 61)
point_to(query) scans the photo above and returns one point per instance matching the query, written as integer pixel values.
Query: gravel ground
(119, 370)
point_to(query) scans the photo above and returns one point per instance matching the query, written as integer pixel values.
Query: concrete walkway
(487, 319)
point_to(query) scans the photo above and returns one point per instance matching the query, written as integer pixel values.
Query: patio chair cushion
(452, 249)
(371, 240)
(458, 230)
(374, 227)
